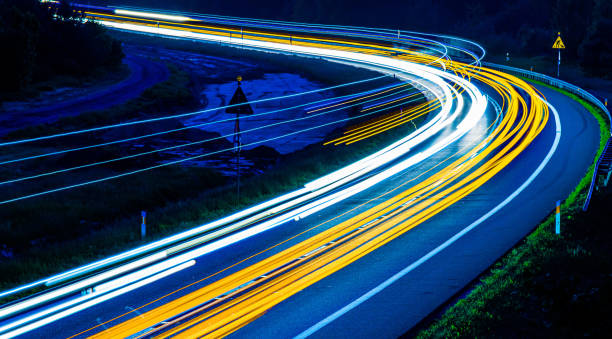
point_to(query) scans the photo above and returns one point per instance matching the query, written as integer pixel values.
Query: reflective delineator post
(558, 218)
(143, 226)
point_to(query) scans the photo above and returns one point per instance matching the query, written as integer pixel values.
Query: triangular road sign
(559, 43)
(238, 104)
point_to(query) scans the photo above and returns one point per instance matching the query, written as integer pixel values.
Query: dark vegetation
(155, 101)
(39, 45)
(90, 208)
(523, 27)
(549, 285)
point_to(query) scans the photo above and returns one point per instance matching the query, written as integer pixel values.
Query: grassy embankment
(154, 101)
(549, 285)
(97, 78)
(176, 198)
(32, 231)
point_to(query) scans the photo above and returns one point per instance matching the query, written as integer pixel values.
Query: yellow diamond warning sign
(559, 43)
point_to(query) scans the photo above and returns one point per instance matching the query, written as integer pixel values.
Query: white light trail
(89, 303)
(149, 15)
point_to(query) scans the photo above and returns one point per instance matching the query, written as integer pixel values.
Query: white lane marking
(310, 331)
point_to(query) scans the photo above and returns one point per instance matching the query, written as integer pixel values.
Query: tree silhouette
(596, 49)
(45, 42)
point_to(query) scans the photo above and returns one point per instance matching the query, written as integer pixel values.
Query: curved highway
(367, 251)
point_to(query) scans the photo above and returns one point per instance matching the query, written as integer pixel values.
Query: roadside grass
(548, 285)
(97, 78)
(31, 231)
(168, 215)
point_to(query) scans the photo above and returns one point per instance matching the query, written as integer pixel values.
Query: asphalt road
(396, 308)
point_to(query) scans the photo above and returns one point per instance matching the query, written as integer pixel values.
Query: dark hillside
(38, 45)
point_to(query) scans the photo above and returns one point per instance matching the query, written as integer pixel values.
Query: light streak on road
(150, 15)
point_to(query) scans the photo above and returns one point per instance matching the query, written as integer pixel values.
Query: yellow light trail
(377, 127)
(383, 124)
(358, 99)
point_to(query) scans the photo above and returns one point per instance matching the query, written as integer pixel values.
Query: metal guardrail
(567, 87)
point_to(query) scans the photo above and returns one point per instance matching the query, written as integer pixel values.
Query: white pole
(559, 63)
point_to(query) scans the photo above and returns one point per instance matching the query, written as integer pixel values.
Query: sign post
(239, 106)
(558, 45)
